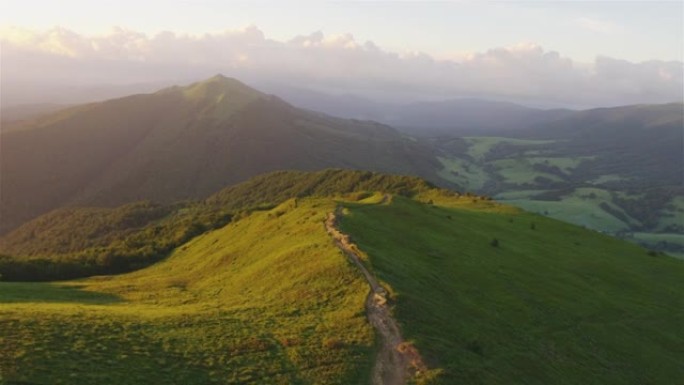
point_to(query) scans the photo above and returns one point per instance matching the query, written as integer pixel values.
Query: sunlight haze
(535, 53)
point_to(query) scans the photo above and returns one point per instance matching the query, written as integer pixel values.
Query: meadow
(495, 296)
(267, 299)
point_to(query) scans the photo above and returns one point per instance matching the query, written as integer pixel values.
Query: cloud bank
(524, 73)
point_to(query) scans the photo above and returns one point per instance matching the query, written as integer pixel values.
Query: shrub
(476, 347)
(332, 343)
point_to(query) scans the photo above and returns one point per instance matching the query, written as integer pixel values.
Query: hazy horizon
(536, 54)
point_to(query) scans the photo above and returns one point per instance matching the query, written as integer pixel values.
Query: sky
(532, 49)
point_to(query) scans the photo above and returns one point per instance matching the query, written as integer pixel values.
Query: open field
(463, 173)
(481, 145)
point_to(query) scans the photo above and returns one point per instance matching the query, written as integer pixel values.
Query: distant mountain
(27, 111)
(18, 94)
(469, 117)
(607, 122)
(642, 143)
(182, 143)
(465, 116)
(341, 105)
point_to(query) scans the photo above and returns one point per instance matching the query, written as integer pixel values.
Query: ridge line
(396, 360)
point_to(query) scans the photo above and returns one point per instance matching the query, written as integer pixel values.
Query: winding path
(397, 360)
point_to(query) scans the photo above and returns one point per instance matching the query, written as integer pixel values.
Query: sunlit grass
(267, 299)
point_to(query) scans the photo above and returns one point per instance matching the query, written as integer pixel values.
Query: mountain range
(182, 143)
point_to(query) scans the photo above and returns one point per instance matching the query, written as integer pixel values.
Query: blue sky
(581, 30)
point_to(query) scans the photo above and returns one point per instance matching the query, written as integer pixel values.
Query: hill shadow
(47, 292)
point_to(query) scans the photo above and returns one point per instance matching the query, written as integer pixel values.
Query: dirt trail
(397, 360)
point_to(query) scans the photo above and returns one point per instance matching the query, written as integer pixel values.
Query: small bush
(289, 341)
(332, 343)
(494, 242)
(476, 347)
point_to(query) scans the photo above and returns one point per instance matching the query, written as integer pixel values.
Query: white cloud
(525, 72)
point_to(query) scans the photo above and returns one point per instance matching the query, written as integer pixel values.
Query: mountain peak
(219, 77)
(214, 87)
(223, 80)
(218, 96)
(219, 85)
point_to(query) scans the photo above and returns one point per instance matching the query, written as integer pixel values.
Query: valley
(547, 177)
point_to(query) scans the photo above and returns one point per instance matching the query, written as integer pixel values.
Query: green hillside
(267, 299)
(487, 293)
(182, 143)
(78, 242)
(496, 297)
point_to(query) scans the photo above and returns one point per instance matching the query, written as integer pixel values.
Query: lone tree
(494, 242)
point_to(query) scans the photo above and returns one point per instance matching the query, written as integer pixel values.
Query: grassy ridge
(552, 303)
(273, 188)
(265, 300)
(78, 242)
(489, 295)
